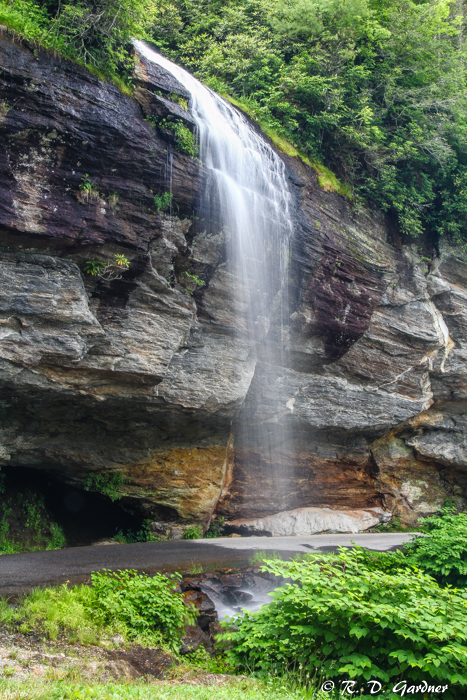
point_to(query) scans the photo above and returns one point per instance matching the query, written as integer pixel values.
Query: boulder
(311, 521)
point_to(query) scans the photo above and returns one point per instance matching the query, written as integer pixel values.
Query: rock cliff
(147, 375)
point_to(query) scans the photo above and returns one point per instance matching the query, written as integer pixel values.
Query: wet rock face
(143, 375)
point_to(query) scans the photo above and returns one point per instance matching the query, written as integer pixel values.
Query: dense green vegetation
(442, 552)
(355, 615)
(374, 90)
(143, 609)
(234, 690)
(25, 524)
(344, 617)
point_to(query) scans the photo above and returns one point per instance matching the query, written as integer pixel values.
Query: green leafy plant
(340, 619)
(442, 551)
(143, 535)
(194, 282)
(142, 604)
(216, 528)
(394, 525)
(107, 271)
(185, 140)
(107, 484)
(143, 609)
(88, 188)
(25, 525)
(163, 201)
(193, 533)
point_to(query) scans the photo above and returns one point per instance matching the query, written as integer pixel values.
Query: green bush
(142, 604)
(26, 526)
(185, 140)
(142, 609)
(107, 484)
(339, 619)
(193, 533)
(145, 534)
(442, 551)
(163, 201)
(216, 528)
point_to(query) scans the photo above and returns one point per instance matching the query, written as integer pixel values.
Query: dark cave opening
(85, 516)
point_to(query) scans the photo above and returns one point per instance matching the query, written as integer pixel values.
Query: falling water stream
(246, 196)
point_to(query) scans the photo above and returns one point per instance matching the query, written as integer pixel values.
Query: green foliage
(216, 528)
(142, 604)
(107, 271)
(442, 551)
(97, 33)
(163, 201)
(88, 187)
(393, 525)
(143, 535)
(185, 140)
(143, 609)
(107, 484)
(263, 555)
(231, 689)
(25, 525)
(193, 533)
(375, 91)
(341, 619)
(194, 282)
(53, 610)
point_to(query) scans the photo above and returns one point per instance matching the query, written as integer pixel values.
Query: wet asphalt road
(20, 573)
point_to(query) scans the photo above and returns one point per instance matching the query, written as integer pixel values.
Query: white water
(247, 196)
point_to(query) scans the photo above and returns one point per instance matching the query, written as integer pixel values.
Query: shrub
(107, 271)
(340, 620)
(26, 526)
(142, 604)
(163, 201)
(142, 609)
(442, 551)
(145, 534)
(216, 528)
(185, 140)
(193, 533)
(107, 484)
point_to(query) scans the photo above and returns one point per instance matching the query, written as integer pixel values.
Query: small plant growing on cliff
(194, 282)
(107, 484)
(88, 189)
(107, 271)
(185, 140)
(163, 201)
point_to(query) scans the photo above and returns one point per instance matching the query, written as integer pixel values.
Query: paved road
(21, 572)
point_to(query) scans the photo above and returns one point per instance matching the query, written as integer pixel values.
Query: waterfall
(247, 196)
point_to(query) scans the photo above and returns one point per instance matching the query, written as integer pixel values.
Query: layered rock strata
(150, 377)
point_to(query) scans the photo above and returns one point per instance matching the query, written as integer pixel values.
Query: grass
(262, 554)
(234, 689)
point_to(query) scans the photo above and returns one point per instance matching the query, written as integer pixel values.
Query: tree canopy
(373, 89)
